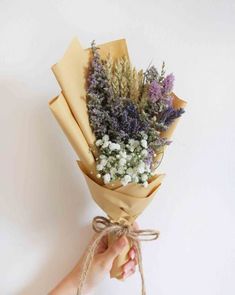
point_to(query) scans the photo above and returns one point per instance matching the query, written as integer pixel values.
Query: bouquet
(119, 121)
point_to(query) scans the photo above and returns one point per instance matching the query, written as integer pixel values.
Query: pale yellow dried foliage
(134, 85)
(140, 79)
(125, 80)
(124, 89)
(108, 65)
(117, 77)
(126, 77)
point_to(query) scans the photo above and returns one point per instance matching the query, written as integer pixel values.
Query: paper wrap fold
(121, 203)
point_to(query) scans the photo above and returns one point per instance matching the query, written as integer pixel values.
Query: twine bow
(103, 226)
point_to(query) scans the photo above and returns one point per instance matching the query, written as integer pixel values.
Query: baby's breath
(126, 162)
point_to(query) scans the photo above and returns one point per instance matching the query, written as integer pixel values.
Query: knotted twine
(103, 226)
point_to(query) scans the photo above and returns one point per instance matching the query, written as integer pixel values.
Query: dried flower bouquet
(119, 121)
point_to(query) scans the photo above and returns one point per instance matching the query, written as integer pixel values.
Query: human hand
(101, 266)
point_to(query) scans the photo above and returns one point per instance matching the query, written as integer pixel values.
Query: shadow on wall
(52, 198)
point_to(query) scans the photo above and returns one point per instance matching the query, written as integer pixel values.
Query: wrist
(74, 279)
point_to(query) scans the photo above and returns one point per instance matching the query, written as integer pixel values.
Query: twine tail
(87, 262)
(140, 264)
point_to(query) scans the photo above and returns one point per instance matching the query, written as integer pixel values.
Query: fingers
(105, 260)
(102, 246)
(130, 266)
(126, 275)
(106, 256)
(132, 253)
(116, 248)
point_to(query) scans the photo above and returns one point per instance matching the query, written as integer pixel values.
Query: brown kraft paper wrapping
(121, 203)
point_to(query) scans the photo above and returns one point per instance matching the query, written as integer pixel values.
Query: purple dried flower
(168, 84)
(168, 116)
(151, 74)
(168, 100)
(124, 120)
(155, 92)
(149, 158)
(98, 84)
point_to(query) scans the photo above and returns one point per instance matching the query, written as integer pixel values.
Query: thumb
(115, 249)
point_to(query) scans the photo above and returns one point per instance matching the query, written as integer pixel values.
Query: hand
(101, 265)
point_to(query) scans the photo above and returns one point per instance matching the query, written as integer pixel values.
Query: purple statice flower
(124, 120)
(170, 114)
(155, 92)
(98, 84)
(168, 100)
(151, 74)
(99, 93)
(167, 84)
(149, 158)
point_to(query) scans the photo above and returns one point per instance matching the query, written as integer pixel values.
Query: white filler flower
(99, 167)
(122, 161)
(114, 146)
(144, 143)
(126, 179)
(106, 178)
(99, 142)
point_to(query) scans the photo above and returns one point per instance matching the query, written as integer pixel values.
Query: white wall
(45, 207)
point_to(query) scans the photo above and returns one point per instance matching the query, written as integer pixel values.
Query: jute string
(103, 226)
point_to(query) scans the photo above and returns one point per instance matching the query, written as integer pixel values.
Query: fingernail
(127, 274)
(132, 254)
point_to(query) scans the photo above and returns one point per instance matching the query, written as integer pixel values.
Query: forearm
(69, 285)
(65, 287)
(101, 265)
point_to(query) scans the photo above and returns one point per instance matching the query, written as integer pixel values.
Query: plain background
(45, 206)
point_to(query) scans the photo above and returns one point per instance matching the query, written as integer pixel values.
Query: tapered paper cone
(122, 208)
(122, 204)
